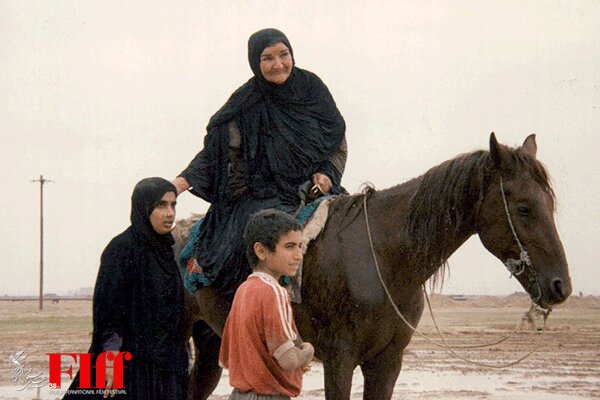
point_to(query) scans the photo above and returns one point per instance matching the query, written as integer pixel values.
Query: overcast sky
(99, 94)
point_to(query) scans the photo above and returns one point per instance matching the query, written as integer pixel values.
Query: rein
(524, 261)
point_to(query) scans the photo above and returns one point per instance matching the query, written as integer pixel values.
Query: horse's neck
(413, 261)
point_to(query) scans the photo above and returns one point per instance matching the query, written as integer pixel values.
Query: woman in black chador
(278, 131)
(138, 300)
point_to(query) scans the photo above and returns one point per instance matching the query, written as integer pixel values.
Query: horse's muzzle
(559, 291)
(556, 292)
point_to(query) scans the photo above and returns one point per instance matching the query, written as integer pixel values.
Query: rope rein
(476, 346)
(524, 261)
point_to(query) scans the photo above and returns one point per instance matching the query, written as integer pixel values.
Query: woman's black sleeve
(335, 165)
(201, 170)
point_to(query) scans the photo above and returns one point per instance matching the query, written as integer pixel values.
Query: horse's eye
(523, 210)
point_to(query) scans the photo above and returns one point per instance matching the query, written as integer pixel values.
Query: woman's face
(276, 63)
(163, 214)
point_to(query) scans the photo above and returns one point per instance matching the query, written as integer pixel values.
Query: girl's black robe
(139, 307)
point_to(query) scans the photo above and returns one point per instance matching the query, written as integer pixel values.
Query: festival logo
(23, 376)
(85, 369)
(27, 378)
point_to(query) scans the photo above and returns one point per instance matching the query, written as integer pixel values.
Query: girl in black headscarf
(279, 130)
(138, 300)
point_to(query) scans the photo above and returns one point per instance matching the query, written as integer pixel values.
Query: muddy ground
(566, 365)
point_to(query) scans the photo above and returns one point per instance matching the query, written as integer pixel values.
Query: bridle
(517, 267)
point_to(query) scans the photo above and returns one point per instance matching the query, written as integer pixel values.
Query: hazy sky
(99, 94)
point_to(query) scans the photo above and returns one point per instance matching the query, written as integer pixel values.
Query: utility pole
(41, 180)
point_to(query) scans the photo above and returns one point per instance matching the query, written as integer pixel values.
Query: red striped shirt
(260, 327)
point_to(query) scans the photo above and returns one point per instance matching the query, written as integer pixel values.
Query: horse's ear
(530, 146)
(497, 152)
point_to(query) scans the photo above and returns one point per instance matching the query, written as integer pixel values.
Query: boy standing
(258, 341)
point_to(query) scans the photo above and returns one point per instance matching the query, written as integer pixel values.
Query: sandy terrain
(565, 366)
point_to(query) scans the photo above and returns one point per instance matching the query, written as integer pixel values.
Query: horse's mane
(447, 196)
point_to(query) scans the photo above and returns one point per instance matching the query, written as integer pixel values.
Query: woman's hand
(181, 184)
(110, 374)
(322, 183)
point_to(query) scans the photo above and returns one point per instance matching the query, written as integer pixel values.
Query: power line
(42, 181)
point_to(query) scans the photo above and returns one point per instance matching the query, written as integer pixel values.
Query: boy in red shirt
(258, 345)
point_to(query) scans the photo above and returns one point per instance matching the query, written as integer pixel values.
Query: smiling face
(285, 260)
(276, 63)
(163, 214)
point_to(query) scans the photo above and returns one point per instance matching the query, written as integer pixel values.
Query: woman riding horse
(278, 130)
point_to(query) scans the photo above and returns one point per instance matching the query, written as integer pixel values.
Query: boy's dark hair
(267, 227)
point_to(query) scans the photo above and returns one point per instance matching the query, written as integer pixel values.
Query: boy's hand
(305, 346)
(307, 367)
(307, 349)
(296, 357)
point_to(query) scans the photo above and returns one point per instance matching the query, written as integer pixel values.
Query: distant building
(84, 292)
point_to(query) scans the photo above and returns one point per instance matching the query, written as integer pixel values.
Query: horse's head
(516, 222)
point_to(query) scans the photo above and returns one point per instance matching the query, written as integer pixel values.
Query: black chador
(138, 304)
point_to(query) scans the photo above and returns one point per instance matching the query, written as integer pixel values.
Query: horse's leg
(381, 372)
(212, 314)
(205, 374)
(338, 377)
(213, 308)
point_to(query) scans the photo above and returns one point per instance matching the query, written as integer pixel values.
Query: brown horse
(503, 195)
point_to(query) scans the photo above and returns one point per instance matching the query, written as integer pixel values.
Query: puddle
(412, 384)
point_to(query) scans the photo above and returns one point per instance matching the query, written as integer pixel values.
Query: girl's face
(163, 214)
(276, 63)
